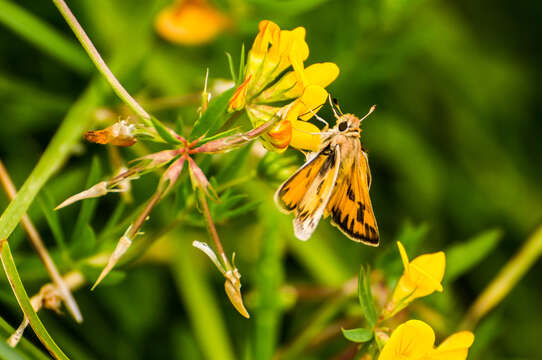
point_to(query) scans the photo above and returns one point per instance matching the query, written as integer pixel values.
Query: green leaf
(219, 135)
(88, 205)
(366, 297)
(164, 133)
(24, 302)
(462, 257)
(214, 117)
(241, 66)
(232, 70)
(359, 335)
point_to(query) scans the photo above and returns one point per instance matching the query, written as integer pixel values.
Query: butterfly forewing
(350, 205)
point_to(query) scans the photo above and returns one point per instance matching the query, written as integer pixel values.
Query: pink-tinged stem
(212, 229)
(230, 142)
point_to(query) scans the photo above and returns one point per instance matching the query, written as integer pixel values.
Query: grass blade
(24, 302)
(44, 36)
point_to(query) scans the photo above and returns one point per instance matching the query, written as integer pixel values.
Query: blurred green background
(454, 148)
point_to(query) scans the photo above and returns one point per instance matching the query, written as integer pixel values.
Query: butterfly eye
(343, 126)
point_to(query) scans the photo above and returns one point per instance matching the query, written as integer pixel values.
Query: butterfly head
(350, 124)
(347, 124)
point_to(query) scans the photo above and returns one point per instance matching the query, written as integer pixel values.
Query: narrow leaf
(24, 302)
(232, 69)
(214, 117)
(366, 297)
(462, 257)
(359, 335)
(164, 132)
(241, 66)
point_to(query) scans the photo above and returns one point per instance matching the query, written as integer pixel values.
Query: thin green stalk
(24, 302)
(43, 36)
(505, 281)
(99, 62)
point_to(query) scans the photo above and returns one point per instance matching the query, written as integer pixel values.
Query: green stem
(24, 302)
(503, 283)
(43, 36)
(99, 62)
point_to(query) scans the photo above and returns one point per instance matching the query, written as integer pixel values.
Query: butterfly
(334, 182)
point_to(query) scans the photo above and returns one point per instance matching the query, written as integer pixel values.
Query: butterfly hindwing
(308, 190)
(350, 205)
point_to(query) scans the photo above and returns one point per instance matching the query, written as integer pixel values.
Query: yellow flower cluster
(414, 340)
(265, 84)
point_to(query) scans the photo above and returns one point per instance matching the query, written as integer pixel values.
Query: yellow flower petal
(422, 276)
(190, 22)
(289, 86)
(403, 254)
(410, 341)
(305, 136)
(455, 347)
(308, 104)
(321, 74)
(259, 63)
(269, 32)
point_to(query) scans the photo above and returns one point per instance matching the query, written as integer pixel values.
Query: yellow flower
(411, 340)
(273, 52)
(414, 340)
(190, 22)
(422, 276)
(455, 347)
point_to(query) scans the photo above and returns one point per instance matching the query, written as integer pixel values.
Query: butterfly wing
(308, 190)
(350, 205)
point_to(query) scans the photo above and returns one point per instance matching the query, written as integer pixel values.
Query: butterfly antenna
(373, 108)
(336, 103)
(311, 111)
(332, 107)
